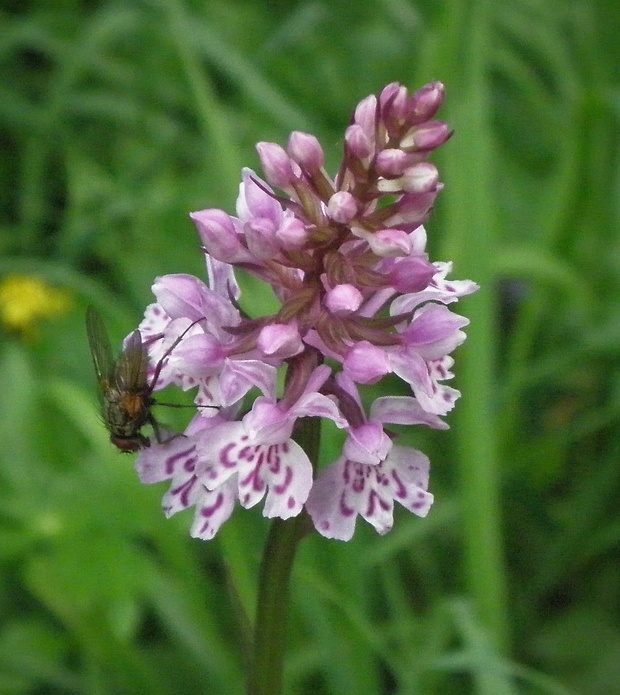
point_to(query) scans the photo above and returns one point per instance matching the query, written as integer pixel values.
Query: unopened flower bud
(365, 363)
(358, 143)
(280, 340)
(393, 102)
(392, 162)
(421, 178)
(218, 234)
(343, 299)
(365, 115)
(411, 274)
(413, 208)
(276, 164)
(389, 243)
(426, 101)
(306, 151)
(427, 136)
(342, 207)
(292, 233)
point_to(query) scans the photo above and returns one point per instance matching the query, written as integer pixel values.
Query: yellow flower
(26, 299)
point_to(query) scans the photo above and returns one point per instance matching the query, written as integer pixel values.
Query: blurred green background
(116, 120)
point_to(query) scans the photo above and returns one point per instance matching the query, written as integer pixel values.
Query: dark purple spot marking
(183, 491)
(171, 461)
(247, 453)
(375, 500)
(281, 489)
(401, 490)
(209, 511)
(345, 510)
(190, 464)
(357, 475)
(290, 502)
(224, 460)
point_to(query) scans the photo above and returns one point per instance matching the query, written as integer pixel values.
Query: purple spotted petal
(283, 470)
(213, 508)
(331, 511)
(408, 470)
(161, 462)
(433, 397)
(287, 472)
(346, 489)
(182, 494)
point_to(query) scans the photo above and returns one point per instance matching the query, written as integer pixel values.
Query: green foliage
(116, 120)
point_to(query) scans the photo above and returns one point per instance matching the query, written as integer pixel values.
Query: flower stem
(272, 610)
(266, 670)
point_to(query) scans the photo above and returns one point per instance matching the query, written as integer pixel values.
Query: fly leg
(159, 437)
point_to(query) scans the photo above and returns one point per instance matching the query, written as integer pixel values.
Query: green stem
(266, 671)
(272, 610)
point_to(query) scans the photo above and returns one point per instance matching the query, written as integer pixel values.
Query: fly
(125, 392)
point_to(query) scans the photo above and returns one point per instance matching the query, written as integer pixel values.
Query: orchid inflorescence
(359, 300)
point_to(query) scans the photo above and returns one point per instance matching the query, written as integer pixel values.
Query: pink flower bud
(219, 235)
(411, 274)
(389, 243)
(280, 340)
(392, 162)
(366, 364)
(276, 164)
(427, 136)
(343, 299)
(306, 151)
(426, 101)
(365, 115)
(421, 178)
(292, 233)
(357, 142)
(342, 207)
(393, 101)
(413, 208)
(261, 238)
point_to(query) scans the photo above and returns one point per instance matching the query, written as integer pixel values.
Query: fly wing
(130, 372)
(100, 347)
